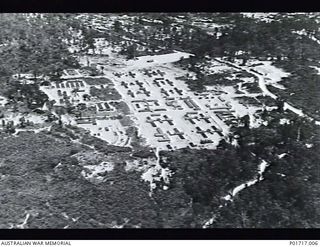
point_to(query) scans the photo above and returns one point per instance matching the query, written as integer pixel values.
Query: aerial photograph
(159, 120)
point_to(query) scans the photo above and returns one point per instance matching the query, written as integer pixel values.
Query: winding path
(263, 165)
(266, 91)
(261, 169)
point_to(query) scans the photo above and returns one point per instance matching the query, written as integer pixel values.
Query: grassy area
(97, 81)
(121, 107)
(105, 94)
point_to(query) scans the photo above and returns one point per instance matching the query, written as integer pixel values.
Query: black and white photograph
(139, 120)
